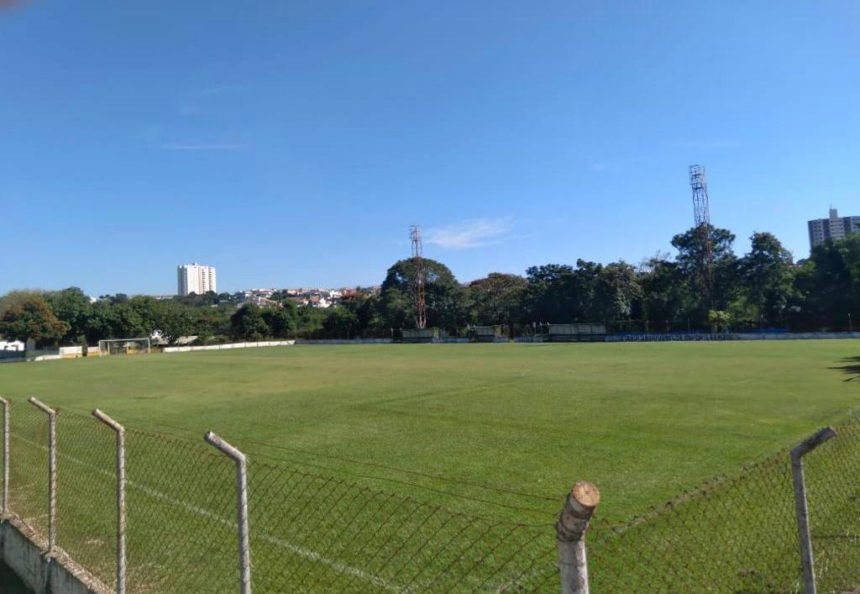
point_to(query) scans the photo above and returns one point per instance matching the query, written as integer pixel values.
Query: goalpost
(123, 346)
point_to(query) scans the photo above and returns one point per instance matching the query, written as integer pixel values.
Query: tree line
(762, 288)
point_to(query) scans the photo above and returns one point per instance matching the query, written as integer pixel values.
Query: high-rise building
(196, 278)
(834, 227)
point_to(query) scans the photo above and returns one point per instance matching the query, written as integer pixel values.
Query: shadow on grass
(851, 367)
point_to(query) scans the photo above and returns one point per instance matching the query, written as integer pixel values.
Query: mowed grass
(492, 429)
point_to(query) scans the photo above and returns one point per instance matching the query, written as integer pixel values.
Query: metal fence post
(242, 508)
(52, 471)
(801, 504)
(5, 404)
(120, 497)
(571, 527)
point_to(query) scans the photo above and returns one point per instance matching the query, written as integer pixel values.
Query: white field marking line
(308, 554)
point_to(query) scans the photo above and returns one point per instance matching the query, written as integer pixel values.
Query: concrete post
(801, 506)
(5, 404)
(52, 472)
(571, 528)
(241, 508)
(120, 497)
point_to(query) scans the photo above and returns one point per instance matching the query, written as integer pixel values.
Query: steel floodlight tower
(702, 218)
(420, 277)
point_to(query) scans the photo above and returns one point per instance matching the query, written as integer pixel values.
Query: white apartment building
(834, 227)
(196, 278)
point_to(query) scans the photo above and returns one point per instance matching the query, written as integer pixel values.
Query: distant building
(835, 227)
(196, 278)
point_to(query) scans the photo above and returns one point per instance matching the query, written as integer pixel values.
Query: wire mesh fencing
(315, 533)
(740, 534)
(309, 532)
(28, 467)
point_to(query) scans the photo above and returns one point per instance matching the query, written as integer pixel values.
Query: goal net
(123, 346)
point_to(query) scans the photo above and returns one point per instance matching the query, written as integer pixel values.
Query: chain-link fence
(740, 534)
(309, 532)
(315, 533)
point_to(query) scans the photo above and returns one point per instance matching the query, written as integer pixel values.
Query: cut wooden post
(571, 528)
(801, 506)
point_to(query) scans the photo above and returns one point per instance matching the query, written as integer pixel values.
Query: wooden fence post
(571, 527)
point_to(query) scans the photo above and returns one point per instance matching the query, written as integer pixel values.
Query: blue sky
(293, 143)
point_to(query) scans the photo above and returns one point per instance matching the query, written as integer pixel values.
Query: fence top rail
(226, 448)
(108, 421)
(42, 406)
(3, 401)
(813, 442)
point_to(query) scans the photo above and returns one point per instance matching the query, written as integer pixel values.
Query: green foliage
(831, 282)
(665, 294)
(32, 318)
(340, 322)
(767, 278)
(691, 263)
(762, 288)
(281, 321)
(73, 307)
(17, 297)
(444, 296)
(171, 319)
(496, 299)
(590, 292)
(248, 324)
(719, 320)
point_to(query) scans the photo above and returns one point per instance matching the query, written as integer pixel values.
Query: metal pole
(571, 527)
(801, 506)
(52, 471)
(242, 508)
(120, 497)
(5, 404)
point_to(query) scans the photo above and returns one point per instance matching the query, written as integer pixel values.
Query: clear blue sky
(293, 143)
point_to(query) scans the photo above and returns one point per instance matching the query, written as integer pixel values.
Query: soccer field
(512, 424)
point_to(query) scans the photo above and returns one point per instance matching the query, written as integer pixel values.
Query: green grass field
(510, 424)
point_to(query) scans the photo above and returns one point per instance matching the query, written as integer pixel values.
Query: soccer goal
(123, 346)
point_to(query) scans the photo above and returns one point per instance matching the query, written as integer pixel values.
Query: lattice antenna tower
(702, 217)
(420, 277)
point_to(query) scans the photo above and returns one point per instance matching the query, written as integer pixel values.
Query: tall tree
(767, 278)
(280, 319)
(248, 324)
(172, 319)
(73, 307)
(340, 322)
(617, 292)
(33, 319)
(444, 296)
(548, 296)
(665, 294)
(17, 297)
(690, 259)
(831, 282)
(496, 299)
